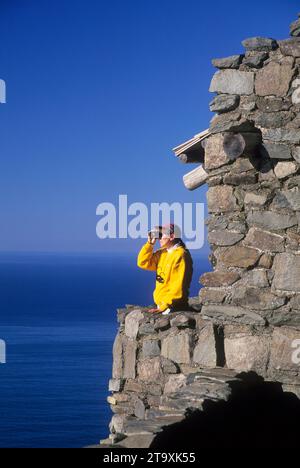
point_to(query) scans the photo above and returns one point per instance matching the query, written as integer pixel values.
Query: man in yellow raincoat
(174, 269)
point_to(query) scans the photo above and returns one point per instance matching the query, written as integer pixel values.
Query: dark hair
(179, 241)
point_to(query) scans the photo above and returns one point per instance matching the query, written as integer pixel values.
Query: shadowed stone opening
(257, 414)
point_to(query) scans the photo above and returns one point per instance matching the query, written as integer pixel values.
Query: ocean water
(58, 320)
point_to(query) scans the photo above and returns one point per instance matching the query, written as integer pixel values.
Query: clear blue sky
(98, 92)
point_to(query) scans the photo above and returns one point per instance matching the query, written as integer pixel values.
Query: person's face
(166, 240)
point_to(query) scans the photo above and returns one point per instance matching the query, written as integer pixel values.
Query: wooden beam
(236, 144)
(195, 178)
(192, 157)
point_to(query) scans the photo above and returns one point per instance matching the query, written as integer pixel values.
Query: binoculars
(155, 233)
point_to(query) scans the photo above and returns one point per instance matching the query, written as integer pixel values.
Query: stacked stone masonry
(164, 367)
(247, 315)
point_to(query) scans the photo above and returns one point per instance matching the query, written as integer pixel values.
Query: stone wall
(247, 315)
(157, 360)
(254, 200)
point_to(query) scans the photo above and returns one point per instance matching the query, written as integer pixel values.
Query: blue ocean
(58, 322)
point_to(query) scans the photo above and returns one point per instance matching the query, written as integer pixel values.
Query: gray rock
(220, 374)
(292, 240)
(157, 413)
(174, 383)
(241, 165)
(271, 220)
(212, 296)
(273, 104)
(130, 359)
(295, 28)
(137, 441)
(295, 302)
(245, 351)
(239, 256)
(295, 123)
(263, 240)
(283, 353)
(132, 323)
(221, 199)
(162, 324)
(134, 386)
(139, 409)
(255, 61)
(292, 182)
(213, 181)
(219, 278)
(177, 346)
(150, 370)
(216, 222)
(115, 385)
(232, 313)
(296, 153)
(265, 261)
(215, 155)
(292, 388)
(290, 47)
(280, 201)
(285, 317)
(274, 79)
(278, 151)
(150, 348)
(117, 371)
(255, 199)
(281, 135)
(256, 278)
(239, 179)
(291, 198)
(284, 169)
(260, 43)
(224, 103)
(287, 270)
(232, 82)
(168, 366)
(256, 298)
(225, 122)
(273, 119)
(296, 83)
(205, 350)
(146, 329)
(155, 389)
(183, 321)
(115, 438)
(228, 62)
(122, 408)
(248, 103)
(296, 96)
(238, 226)
(224, 237)
(194, 303)
(117, 424)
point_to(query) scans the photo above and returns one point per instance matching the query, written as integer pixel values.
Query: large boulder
(177, 346)
(286, 268)
(232, 82)
(245, 350)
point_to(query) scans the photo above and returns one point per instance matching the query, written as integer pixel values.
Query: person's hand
(154, 311)
(151, 241)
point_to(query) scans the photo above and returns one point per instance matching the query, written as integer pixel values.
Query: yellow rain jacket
(174, 270)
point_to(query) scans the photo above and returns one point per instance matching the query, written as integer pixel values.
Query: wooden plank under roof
(192, 150)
